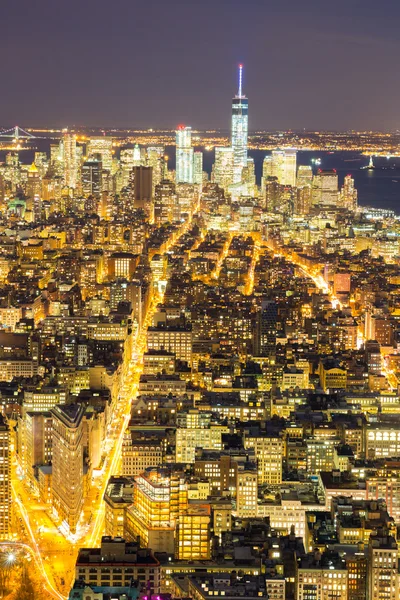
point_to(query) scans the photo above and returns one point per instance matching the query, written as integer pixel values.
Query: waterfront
(379, 188)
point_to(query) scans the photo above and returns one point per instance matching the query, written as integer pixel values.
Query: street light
(10, 558)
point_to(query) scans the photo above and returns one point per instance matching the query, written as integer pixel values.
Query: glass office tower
(184, 155)
(240, 117)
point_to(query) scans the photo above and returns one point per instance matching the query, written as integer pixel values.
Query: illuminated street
(199, 302)
(55, 554)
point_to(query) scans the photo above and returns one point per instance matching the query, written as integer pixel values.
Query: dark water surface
(379, 188)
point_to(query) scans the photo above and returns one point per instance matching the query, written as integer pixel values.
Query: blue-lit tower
(240, 127)
(184, 155)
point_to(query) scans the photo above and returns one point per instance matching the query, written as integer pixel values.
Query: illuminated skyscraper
(281, 164)
(302, 204)
(159, 497)
(198, 168)
(34, 192)
(184, 155)
(249, 176)
(266, 329)
(57, 158)
(5, 479)
(272, 193)
(155, 159)
(348, 194)
(278, 165)
(240, 112)
(67, 482)
(193, 533)
(187, 196)
(304, 176)
(34, 184)
(103, 146)
(266, 172)
(290, 167)
(70, 170)
(223, 167)
(325, 188)
(42, 163)
(139, 156)
(164, 202)
(127, 162)
(141, 183)
(92, 176)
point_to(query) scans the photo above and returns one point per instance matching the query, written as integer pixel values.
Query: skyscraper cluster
(199, 374)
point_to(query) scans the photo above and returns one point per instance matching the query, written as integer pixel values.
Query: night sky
(311, 64)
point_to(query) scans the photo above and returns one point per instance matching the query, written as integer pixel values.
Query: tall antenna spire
(240, 81)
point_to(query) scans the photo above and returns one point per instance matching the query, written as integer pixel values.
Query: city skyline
(199, 331)
(169, 343)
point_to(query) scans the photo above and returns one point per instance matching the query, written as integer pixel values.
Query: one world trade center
(240, 126)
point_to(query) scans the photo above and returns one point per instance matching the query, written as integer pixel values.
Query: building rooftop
(328, 560)
(231, 585)
(82, 591)
(335, 480)
(119, 490)
(70, 414)
(116, 551)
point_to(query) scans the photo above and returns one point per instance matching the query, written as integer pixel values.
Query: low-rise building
(117, 563)
(321, 577)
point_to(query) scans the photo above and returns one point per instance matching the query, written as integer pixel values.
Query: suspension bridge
(16, 133)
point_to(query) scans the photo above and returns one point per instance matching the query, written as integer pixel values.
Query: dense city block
(199, 369)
